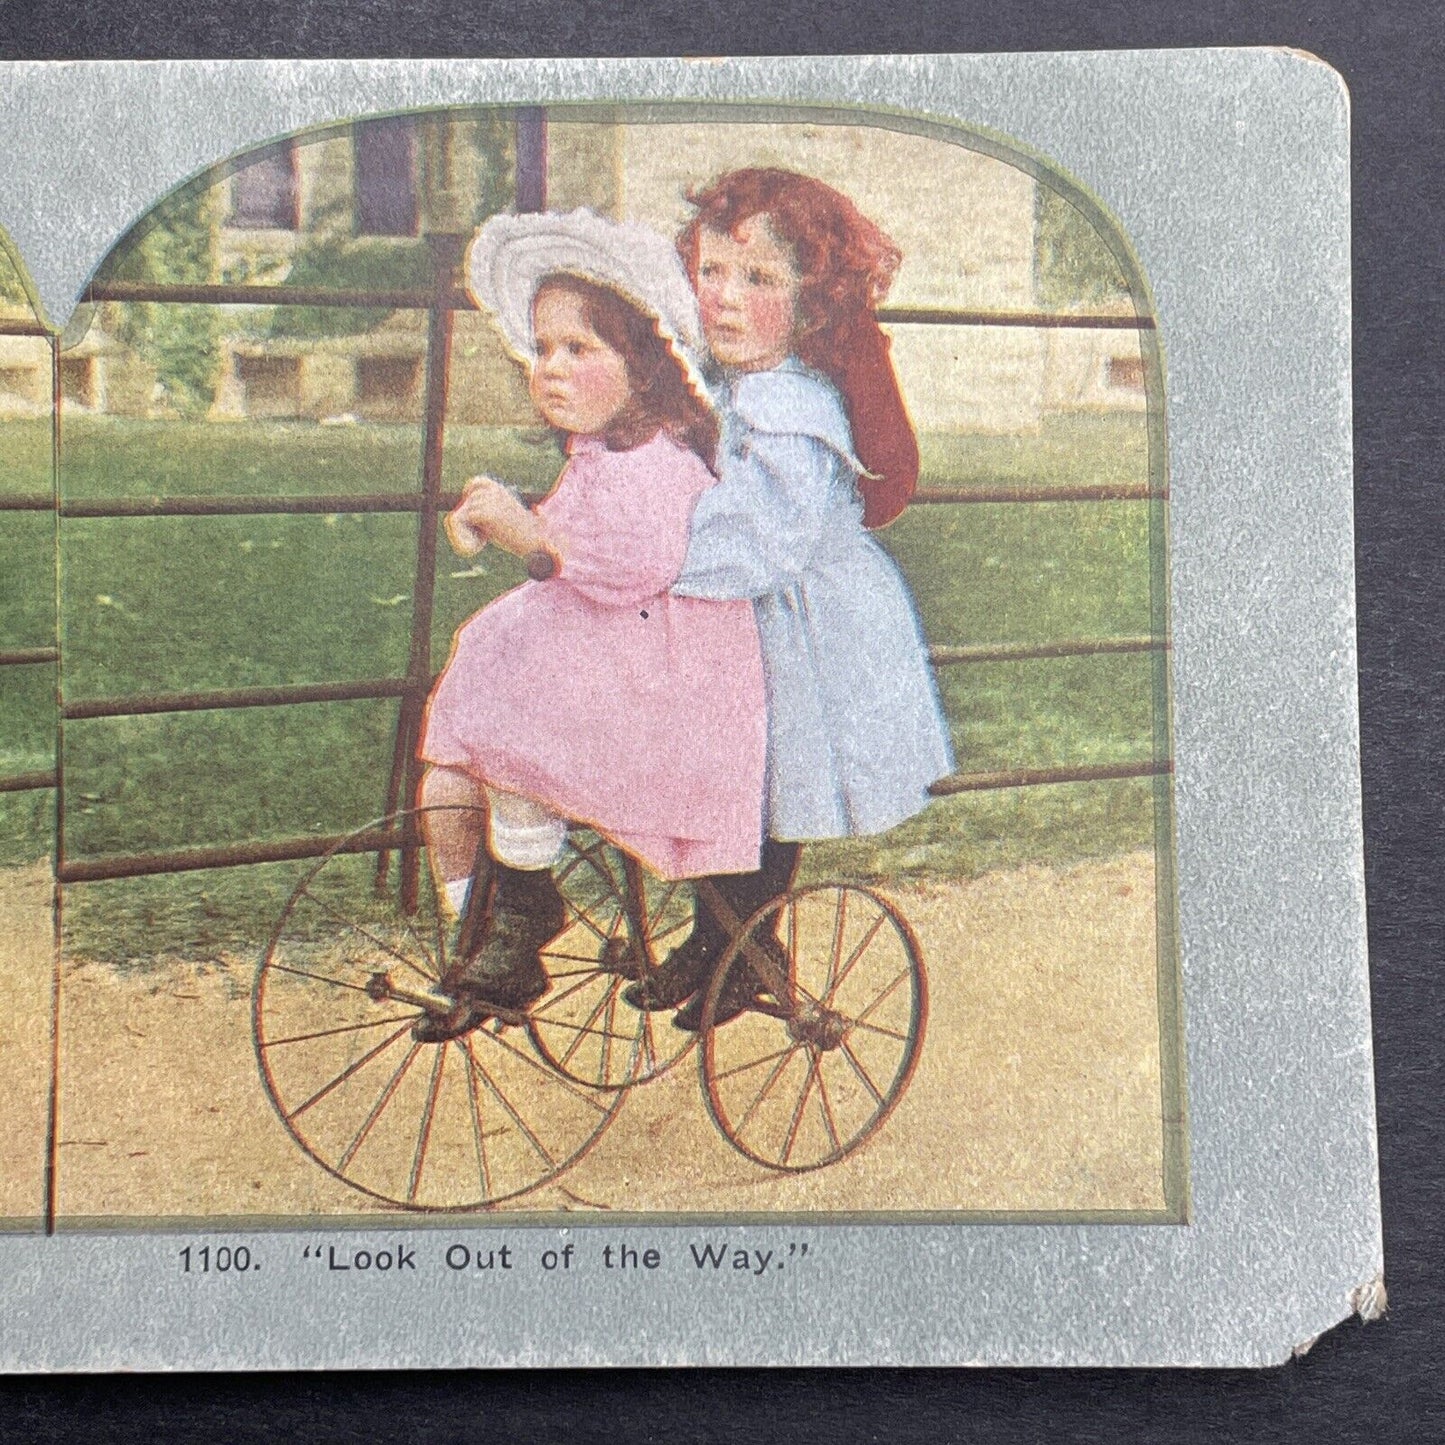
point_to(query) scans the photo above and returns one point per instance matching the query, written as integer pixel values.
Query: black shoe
(680, 975)
(464, 1015)
(735, 999)
(514, 992)
(741, 992)
(502, 966)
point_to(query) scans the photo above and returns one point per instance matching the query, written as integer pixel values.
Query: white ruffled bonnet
(511, 256)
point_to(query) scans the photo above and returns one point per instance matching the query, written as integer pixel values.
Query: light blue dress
(855, 730)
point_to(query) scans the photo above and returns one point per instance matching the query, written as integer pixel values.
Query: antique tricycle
(801, 1079)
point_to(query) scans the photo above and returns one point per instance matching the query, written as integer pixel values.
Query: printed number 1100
(223, 1259)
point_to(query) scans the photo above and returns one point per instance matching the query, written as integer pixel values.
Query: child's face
(747, 292)
(578, 382)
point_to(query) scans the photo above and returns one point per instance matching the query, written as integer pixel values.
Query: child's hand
(470, 523)
(465, 539)
(485, 496)
(490, 512)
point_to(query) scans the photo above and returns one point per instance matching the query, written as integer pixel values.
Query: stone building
(964, 221)
(376, 186)
(363, 196)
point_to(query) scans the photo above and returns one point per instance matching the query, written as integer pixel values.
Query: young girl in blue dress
(816, 446)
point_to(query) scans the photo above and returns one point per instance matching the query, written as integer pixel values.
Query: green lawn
(27, 619)
(185, 603)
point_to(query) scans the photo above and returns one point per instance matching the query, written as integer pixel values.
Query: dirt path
(1038, 1086)
(26, 956)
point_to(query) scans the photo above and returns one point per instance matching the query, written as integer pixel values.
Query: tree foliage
(12, 288)
(330, 254)
(177, 243)
(182, 343)
(1072, 262)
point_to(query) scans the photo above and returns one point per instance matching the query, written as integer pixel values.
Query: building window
(77, 380)
(1126, 373)
(388, 387)
(386, 188)
(271, 385)
(264, 194)
(25, 382)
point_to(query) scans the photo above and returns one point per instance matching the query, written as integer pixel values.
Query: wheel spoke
(669, 893)
(506, 1104)
(588, 924)
(550, 1074)
(582, 1028)
(441, 928)
(671, 929)
(346, 1073)
(862, 1073)
(755, 1063)
(345, 1029)
(649, 1046)
(570, 990)
(387, 1094)
(563, 875)
(828, 1121)
(767, 1089)
(601, 860)
(571, 958)
(421, 947)
(840, 919)
(803, 993)
(370, 937)
(318, 978)
(585, 1028)
(878, 1029)
(905, 974)
(478, 1133)
(608, 1023)
(792, 1138)
(424, 1138)
(856, 955)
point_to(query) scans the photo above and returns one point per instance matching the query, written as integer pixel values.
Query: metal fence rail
(28, 656)
(370, 689)
(1051, 320)
(29, 782)
(442, 300)
(338, 504)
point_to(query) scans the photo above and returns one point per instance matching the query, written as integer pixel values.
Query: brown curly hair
(845, 261)
(662, 397)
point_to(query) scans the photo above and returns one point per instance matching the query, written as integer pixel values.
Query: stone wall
(24, 376)
(963, 220)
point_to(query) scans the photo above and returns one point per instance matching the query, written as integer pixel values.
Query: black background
(1359, 1381)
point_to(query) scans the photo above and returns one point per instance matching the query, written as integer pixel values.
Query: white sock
(456, 892)
(524, 834)
(538, 846)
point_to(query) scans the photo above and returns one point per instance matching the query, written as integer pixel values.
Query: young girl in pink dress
(596, 695)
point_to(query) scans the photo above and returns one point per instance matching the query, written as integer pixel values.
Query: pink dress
(602, 696)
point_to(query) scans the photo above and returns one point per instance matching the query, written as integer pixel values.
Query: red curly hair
(846, 264)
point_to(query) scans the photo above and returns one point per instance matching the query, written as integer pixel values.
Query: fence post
(446, 255)
(531, 137)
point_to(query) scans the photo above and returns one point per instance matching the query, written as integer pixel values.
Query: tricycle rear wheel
(458, 1125)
